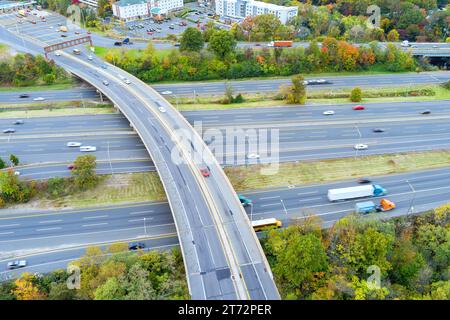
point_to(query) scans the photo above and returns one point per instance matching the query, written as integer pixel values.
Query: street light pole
(284, 207)
(145, 227)
(411, 205)
(359, 139)
(251, 212)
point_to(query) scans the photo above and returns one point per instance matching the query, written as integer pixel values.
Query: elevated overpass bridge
(222, 255)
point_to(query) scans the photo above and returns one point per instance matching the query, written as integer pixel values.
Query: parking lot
(150, 29)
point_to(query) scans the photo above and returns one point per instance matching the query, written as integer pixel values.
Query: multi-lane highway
(222, 255)
(192, 89)
(50, 239)
(304, 133)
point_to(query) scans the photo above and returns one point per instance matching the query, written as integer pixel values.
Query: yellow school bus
(259, 225)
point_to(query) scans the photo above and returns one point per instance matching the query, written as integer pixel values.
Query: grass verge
(397, 94)
(59, 86)
(139, 187)
(250, 178)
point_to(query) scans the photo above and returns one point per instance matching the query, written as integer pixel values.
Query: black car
(364, 180)
(136, 246)
(378, 130)
(9, 130)
(18, 122)
(426, 112)
(24, 95)
(117, 43)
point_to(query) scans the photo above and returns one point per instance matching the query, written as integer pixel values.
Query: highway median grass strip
(307, 172)
(331, 97)
(140, 187)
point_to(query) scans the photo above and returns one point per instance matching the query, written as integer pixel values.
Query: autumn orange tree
(25, 289)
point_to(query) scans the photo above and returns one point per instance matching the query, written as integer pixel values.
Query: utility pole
(411, 205)
(284, 207)
(145, 227)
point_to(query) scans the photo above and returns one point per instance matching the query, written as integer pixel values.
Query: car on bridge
(105, 82)
(17, 264)
(205, 172)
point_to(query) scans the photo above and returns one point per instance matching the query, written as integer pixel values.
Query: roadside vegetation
(259, 100)
(222, 60)
(25, 70)
(411, 255)
(111, 274)
(307, 172)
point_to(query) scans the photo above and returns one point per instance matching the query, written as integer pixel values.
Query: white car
(121, 76)
(17, 173)
(328, 113)
(88, 149)
(58, 53)
(252, 156)
(39, 99)
(162, 109)
(90, 57)
(127, 81)
(74, 144)
(166, 92)
(105, 82)
(17, 264)
(361, 146)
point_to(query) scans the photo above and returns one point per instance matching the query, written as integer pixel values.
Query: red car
(358, 107)
(205, 172)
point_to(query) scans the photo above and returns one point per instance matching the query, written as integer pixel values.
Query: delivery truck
(371, 190)
(280, 44)
(370, 206)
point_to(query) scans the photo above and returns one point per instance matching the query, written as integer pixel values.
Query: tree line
(109, 274)
(360, 259)
(26, 70)
(223, 60)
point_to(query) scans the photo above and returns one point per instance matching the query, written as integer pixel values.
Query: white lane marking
(10, 225)
(270, 204)
(304, 193)
(95, 217)
(4, 233)
(266, 198)
(309, 199)
(94, 224)
(140, 212)
(48, 229)
(50, 221)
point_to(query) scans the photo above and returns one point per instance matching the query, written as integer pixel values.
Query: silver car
(17, 264)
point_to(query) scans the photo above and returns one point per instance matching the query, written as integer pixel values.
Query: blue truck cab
(365, 207)
(378, 190)
(244, 201)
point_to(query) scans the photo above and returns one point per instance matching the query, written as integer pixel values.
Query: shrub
(356, 95)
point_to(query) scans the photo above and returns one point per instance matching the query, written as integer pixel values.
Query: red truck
(280, 43)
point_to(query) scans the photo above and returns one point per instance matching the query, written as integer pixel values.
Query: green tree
(406, 263)
(356, 95)
(298, 258)
(56, 187)
(222, 43)
(49, 78)
(83, 173)
(296, 93)
(191, 40)
(14, 160)
(2, 164)
(393, 36)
